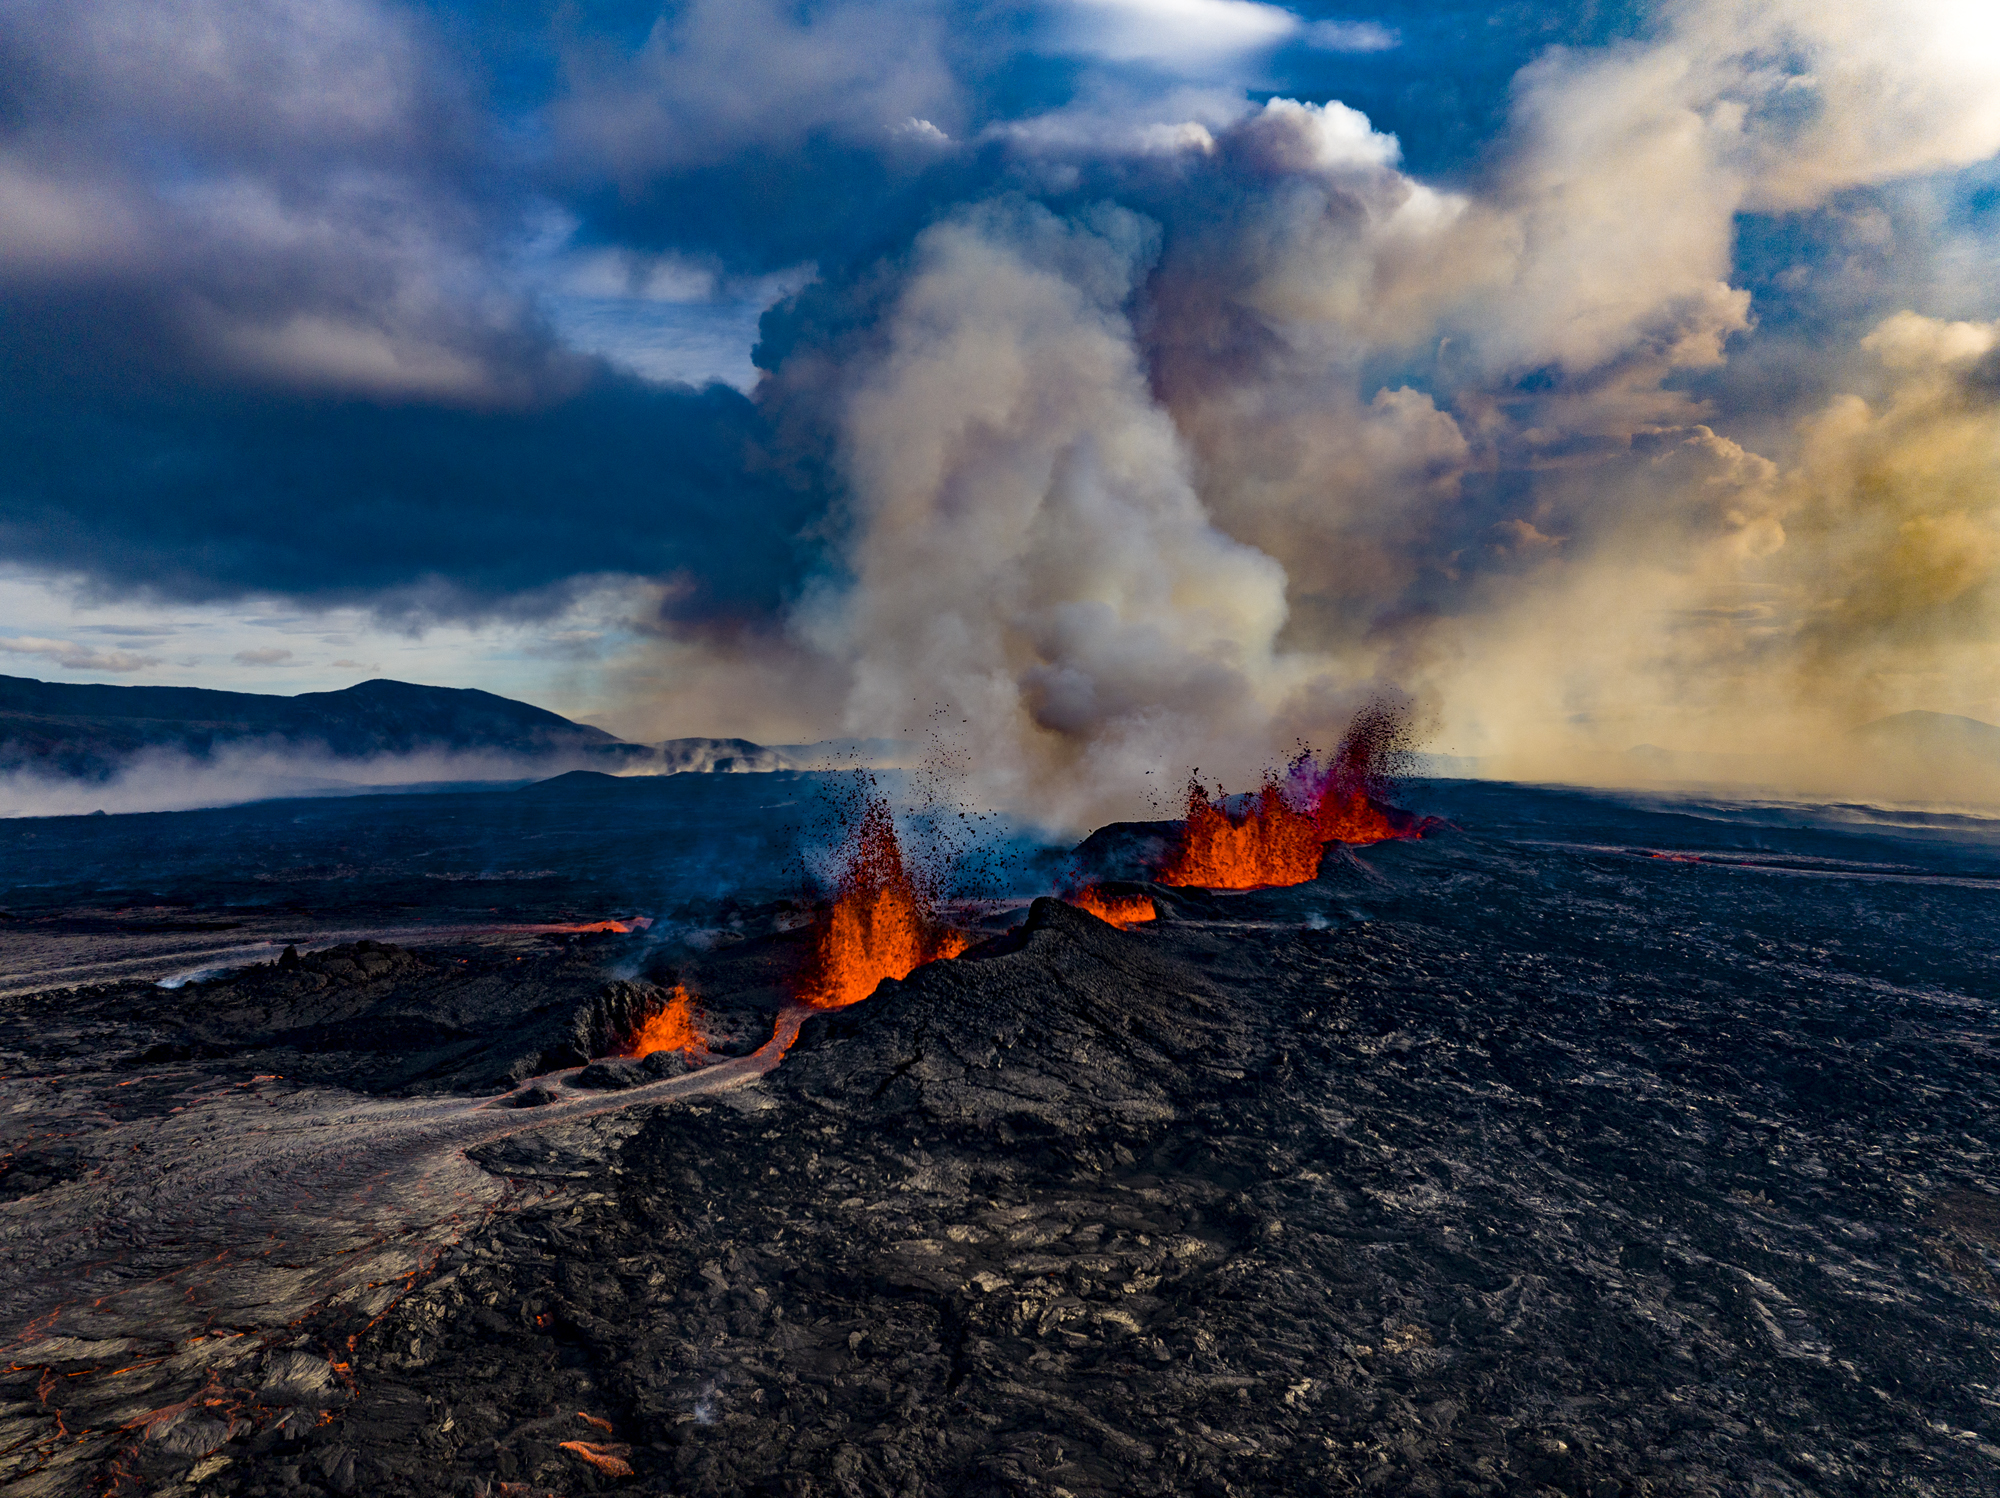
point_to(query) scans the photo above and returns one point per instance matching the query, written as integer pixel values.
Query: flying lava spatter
(672, 1029)
(880, 923)
(1279, 838)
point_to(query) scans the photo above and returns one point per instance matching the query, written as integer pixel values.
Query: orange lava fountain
(879, 925)
(1279, 840)
(1120, 910)
(1275, 844)
(672, 1029)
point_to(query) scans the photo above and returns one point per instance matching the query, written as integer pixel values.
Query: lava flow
(672, 1029)
(1121, 911)
(1280, 838)
(880, 923)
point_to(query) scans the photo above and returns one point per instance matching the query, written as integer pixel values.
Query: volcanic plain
(1582, 1146)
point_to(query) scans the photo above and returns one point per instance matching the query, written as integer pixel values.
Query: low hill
(67, 747)
(88, 731)
(1931, 733)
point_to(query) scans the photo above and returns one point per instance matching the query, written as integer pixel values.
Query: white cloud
(717, 77)
(1350, 36)
(268, 655)
(73, 657)
(1333, 136)
(1028, 543)
(1177, 32)
(922, 132)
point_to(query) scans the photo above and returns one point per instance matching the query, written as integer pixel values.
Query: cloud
(1351, 36)
(1893, 514)
(1146, 377)
(265, 655)
(159, 779)
(304, 210)
(74, 657)
(1026, 540)
(714, 78)
(422, 510)
(568, 645)
(1179, 32)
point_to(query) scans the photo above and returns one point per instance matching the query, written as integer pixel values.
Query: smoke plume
(1142, 404)
(1177, 463)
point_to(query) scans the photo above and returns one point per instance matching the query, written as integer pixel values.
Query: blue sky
(1116, 366)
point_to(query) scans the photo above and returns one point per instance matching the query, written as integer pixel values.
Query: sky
(1138, 382)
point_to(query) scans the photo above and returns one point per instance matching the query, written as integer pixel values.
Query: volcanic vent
(882, 919)
(1272, 838)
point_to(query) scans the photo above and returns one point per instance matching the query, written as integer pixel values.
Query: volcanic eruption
(1118, 910)
(1278, 839)
(881, 922)
(671, 1028)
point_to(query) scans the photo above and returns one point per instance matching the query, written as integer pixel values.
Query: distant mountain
(713, 757)
(89, 731)
(1931, 733)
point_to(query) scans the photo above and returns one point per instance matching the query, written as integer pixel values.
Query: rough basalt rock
(1495, 1192)
(1640, 1156)
(367, 1015)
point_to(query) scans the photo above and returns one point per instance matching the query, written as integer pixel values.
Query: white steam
(1143, 492)
(167, 779)
(1028, 545)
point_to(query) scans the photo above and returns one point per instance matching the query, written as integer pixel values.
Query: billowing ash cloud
(1167, 374)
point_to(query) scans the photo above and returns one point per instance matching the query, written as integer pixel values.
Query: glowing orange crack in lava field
(1122, 911)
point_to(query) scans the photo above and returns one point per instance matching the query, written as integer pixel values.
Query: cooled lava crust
(1476, 1167)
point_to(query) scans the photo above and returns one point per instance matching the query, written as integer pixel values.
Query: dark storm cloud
(261, 330)
(770, 134)
(269, 320)
(417, 508)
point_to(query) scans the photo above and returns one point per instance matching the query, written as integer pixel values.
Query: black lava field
(1587, 1146)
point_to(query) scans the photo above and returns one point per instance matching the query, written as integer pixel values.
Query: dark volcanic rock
(1125, 850)
(1560, 1203)
(1061, 1031)
(1552, 1164)
(617, 1073)
(366, 1015)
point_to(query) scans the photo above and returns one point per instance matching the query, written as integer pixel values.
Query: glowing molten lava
(1274, 844)
(1120, 910)
(672, 1029)
(1279, 838)
(606, 1457)
(880, 923)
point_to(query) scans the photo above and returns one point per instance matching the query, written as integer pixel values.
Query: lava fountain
(1279, 838)
(880, 924)
(672, 1029)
